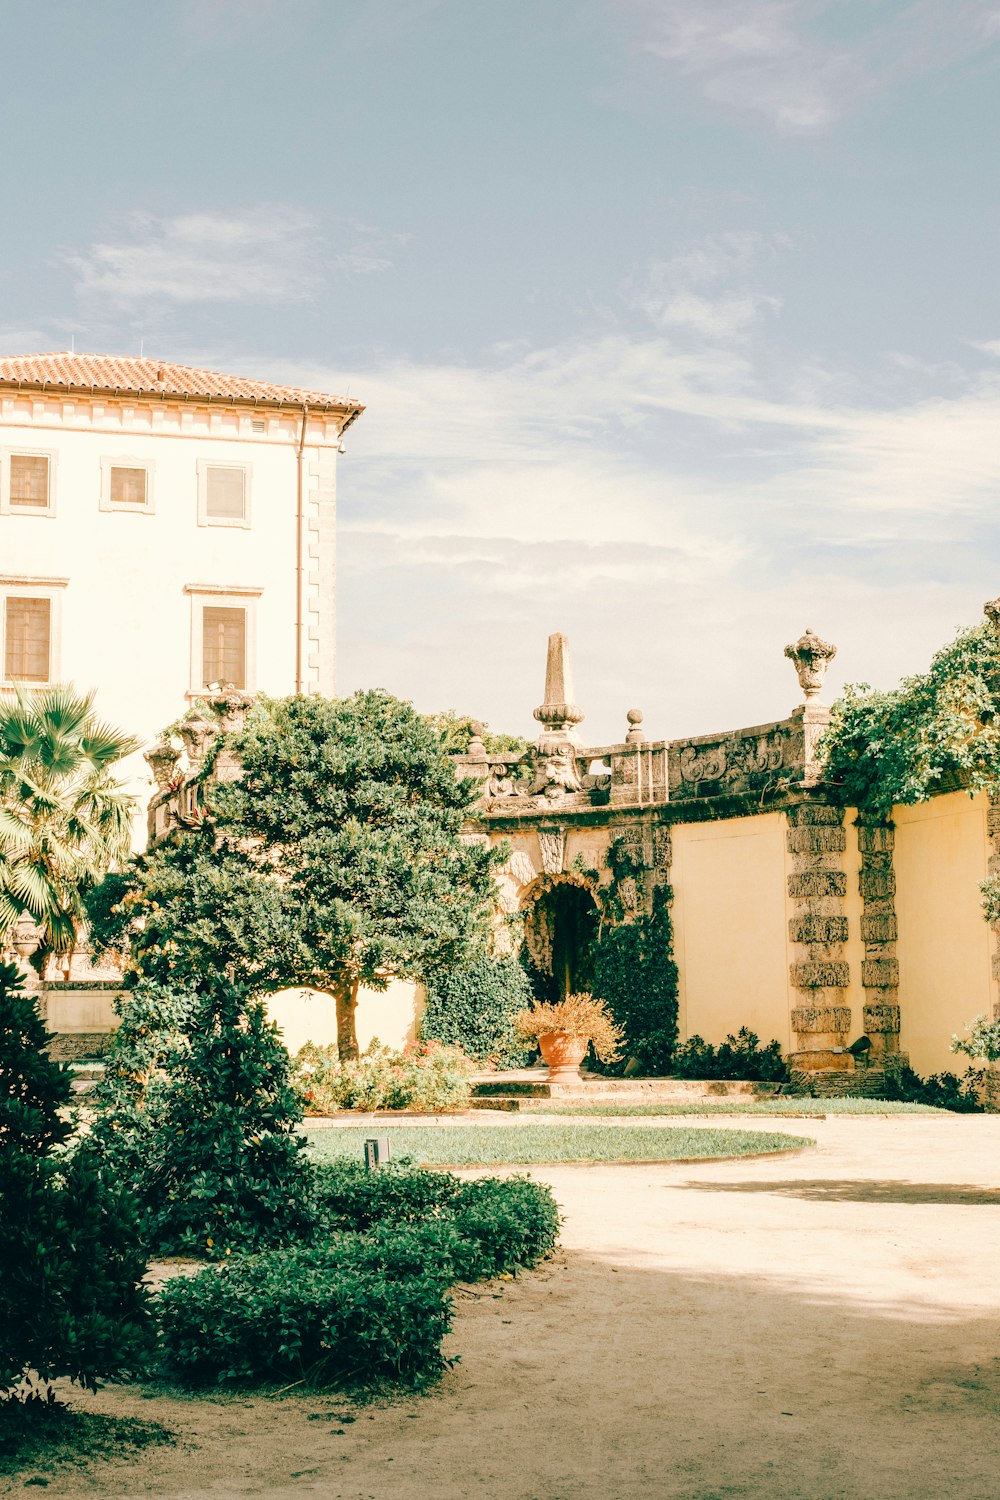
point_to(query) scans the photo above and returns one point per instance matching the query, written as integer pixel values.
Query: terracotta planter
(563, 1055)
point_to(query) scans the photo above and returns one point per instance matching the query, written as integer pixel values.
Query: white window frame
(223, 596)
(6, 508)
(21, 586)
(204, 519)
(126, 461)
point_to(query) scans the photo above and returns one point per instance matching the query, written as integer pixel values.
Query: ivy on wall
(939, 728)
(633, 963)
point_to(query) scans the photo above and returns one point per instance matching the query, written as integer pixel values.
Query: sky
(677, 322)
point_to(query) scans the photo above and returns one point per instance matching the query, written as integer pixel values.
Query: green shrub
(511, 1221)
(348, 1196)
(352, 1314)
(365, 1303)
(473, 1007)
(218, 1160)
(739, 1057)
(130, 1099)
(940, 1090)
(503, 1222)
(71, 1299)
(34, 1090)
(425, 1075)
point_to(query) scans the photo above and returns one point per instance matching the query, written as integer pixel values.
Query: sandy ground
(809, 1328)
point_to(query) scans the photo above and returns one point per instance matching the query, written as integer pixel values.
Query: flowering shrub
(425, 1075)
(578, 1015)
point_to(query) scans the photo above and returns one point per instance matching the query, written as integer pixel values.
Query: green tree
(71, 1295)
(222, 1166)
(455, 730)
(938, 729)
(336, 860)
(64, 819)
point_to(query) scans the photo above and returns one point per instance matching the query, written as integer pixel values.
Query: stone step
(84, 1075)
(533, 1084)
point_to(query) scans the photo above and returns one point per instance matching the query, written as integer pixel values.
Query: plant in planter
(564, 1031)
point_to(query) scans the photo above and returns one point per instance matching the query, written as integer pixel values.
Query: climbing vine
(941, 726)
(633, 962)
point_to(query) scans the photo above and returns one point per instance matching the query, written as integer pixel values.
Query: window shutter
(128, 486)
(225, 493)
(224, 646)
(27, 633)
(29, 480)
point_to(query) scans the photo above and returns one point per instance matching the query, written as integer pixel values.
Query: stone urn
(562, 1055)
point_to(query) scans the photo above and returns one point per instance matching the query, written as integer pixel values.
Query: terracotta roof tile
(155, 379)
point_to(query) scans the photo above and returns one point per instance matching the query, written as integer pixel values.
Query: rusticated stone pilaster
(879, 967)
(818, 929)
(993, 829)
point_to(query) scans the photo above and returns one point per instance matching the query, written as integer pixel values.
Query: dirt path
(809, 1328)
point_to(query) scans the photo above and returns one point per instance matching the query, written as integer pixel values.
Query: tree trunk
(346, 997)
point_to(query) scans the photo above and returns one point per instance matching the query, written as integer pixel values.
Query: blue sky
(677, 321)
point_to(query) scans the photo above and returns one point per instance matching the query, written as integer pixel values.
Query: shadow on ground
(593, 1378)
(859, 1190)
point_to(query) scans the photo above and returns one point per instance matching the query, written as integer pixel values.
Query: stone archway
(560, 925)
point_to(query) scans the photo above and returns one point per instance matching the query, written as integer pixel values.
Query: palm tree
(64, 818)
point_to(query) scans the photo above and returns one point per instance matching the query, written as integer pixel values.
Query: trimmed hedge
(367, 1300)
(333, 1317)
(350, 1197)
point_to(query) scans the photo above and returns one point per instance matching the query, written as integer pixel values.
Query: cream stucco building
(163, 527)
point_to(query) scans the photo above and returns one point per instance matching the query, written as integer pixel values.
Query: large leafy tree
(336, 860)
(64, 819)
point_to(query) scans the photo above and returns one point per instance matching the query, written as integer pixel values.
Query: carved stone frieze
(732, 762)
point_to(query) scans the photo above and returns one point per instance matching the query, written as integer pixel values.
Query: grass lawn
(522, 1145)
(776, 1108)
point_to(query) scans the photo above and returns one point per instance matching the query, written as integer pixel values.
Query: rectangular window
(27, 638)
(128, 486)
(225, 493)
(29, 481)
(224, 646)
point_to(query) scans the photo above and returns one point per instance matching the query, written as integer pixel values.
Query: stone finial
(811, 657)
(197, 733)
(991, 609)
(476, 746)
(162, 760)
(230, 706)
(558, 713)
(635, 734)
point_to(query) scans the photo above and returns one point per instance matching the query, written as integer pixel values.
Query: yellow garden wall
(944, 944)
(307, 1016)
(730, 927)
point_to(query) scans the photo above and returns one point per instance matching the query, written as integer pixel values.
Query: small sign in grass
(538, 1144)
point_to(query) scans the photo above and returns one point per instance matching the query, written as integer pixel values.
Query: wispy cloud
(270, 254)
(778, 60)
(658, 504)
(706, 289)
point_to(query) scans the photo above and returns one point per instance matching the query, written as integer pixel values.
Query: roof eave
(351, 409)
